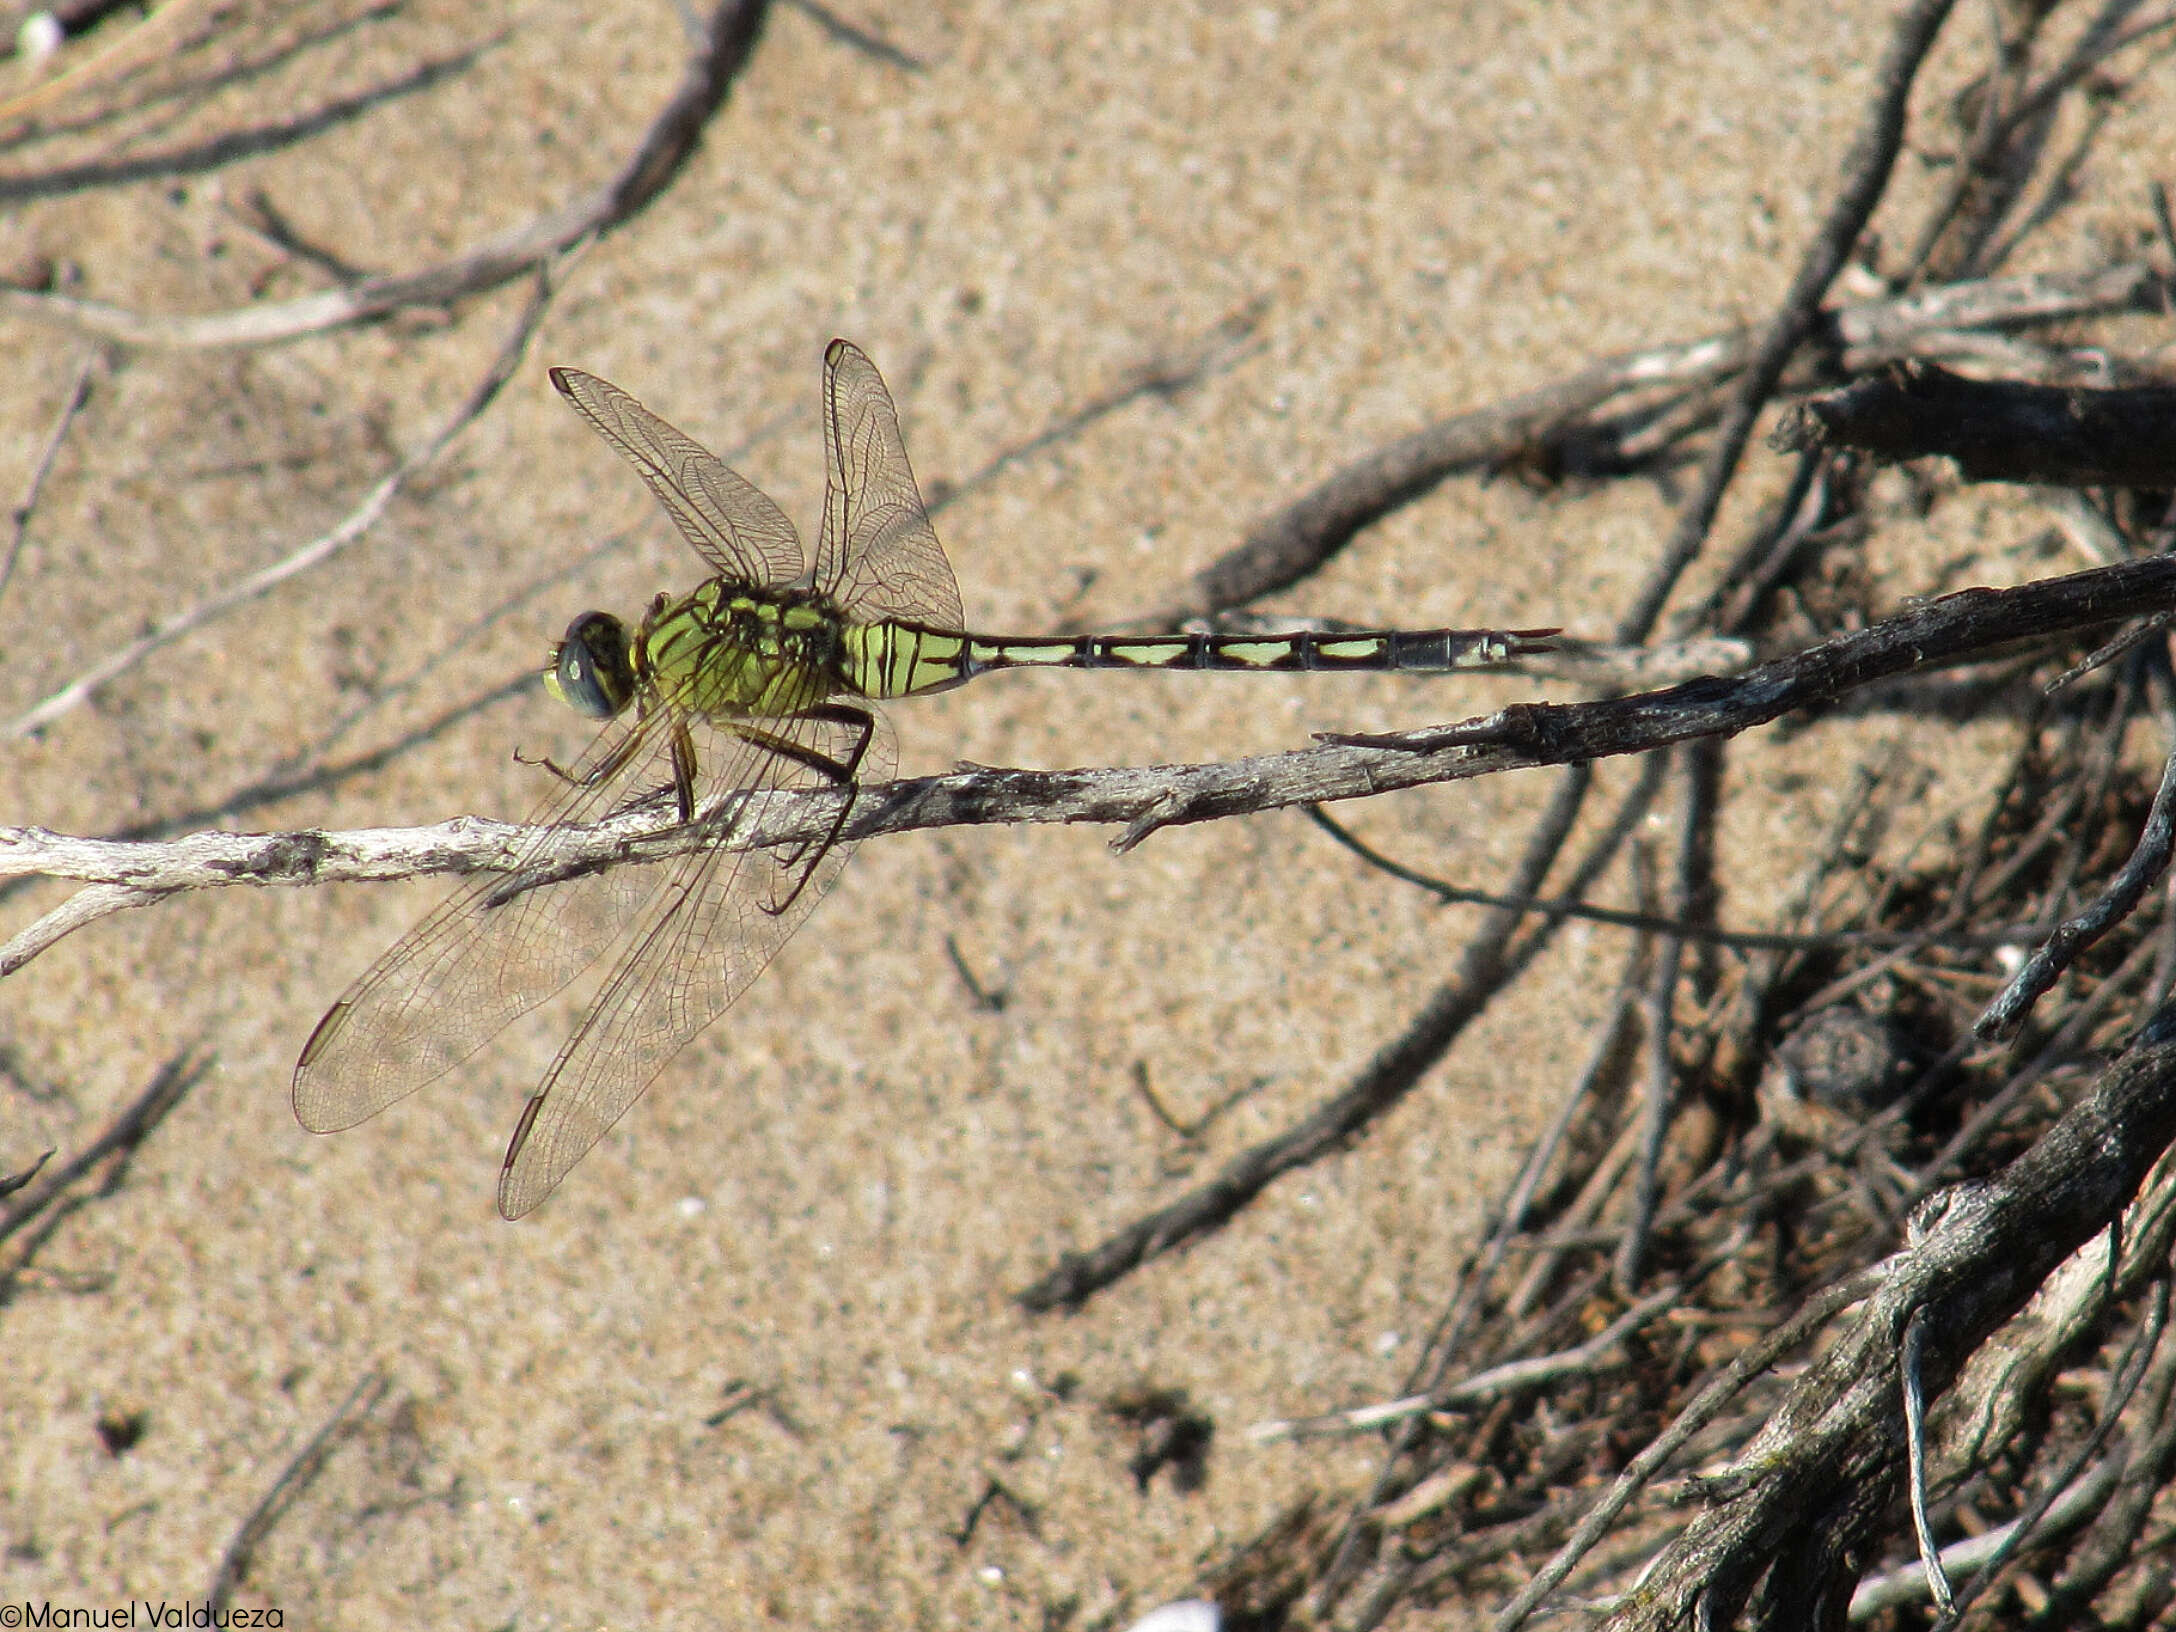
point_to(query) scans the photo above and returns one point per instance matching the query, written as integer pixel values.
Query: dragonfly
(762, 678)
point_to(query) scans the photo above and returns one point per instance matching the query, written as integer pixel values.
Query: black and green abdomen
(895, 659)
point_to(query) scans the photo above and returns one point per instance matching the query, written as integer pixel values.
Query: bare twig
(1396, 1069)
(1866, 176)
(1164, 375)
(235, 146)
(1484, 1386)
(129, 49)
(1297, 540)
(1915, 1445)
(2148, 861)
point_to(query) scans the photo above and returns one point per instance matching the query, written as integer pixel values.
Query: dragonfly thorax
(737, 650)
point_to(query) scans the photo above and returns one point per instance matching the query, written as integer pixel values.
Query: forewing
(490, 953)
(731, 522)
(877, 555)
(703, 937)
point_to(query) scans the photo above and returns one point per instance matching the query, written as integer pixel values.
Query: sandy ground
(825, 1204)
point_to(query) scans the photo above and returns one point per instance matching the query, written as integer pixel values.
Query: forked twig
(355, 525)
(671, 140)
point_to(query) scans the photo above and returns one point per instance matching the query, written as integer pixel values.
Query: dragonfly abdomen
(896, 659)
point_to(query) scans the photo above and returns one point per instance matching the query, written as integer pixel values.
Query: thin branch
(1661, 923)
(235, 146)
(129, 49)
(1866, 177)
(1485, 968)
(37, 1208)
(19, 519)
(2148, 861)
(1485, 1386)
(861, 39)
(1915, 1444)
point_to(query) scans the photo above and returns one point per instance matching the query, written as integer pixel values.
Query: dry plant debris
(1839, 1285)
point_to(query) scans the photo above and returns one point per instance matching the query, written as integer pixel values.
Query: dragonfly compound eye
(591, 672)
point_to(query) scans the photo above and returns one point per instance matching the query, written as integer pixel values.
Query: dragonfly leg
(802, 859)
(683, 771)
(603, 771)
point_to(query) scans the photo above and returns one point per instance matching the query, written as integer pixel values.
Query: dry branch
(1534, 429)
(1965, 626)
(1997, 430)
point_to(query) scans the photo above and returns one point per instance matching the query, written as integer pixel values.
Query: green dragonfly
(759, 679)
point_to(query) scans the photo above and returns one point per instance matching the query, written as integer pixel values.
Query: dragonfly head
(591, 671)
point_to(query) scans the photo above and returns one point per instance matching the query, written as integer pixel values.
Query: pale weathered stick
(1951, 629)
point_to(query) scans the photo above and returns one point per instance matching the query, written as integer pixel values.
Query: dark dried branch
(1826, 1464)
(1996, 430)
(1520, 431)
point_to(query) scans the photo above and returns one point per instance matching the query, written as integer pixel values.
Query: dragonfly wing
(489, 953)
(877, 555)
(703, 936)
(731, 522)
